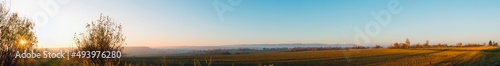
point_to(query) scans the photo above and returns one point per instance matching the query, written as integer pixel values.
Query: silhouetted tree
(418, 45)
(426, 44)
(495, 44)
(403, 45)
(226, 53)
(473, 45)
(378, 46)
(16, 34)
(395, 45)
(407, 45)
(459, 44)
(439, 44)
(101, 35)
(490, 43)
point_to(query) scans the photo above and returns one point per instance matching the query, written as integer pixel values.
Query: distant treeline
(295, 49)
(282, 49)
(426, 45)
(298, 49)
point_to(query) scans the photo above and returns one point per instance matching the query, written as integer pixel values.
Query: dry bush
(16, 34)
(101, 35)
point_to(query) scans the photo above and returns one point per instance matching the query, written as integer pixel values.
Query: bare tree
(418, 45)
(459, 44)
(403, 45)
(490, 43)
(395, 45)
(378, 46)
(407, 45)
(101, 35)
(426, 44)
(495, 44)
(17, 34)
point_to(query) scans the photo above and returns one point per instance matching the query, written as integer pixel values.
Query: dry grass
(427, 56)
(461, 48)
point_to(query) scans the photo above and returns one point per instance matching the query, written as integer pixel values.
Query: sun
(22, 42)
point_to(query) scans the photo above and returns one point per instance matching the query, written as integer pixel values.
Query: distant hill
(147, 51)
(139, 51)
(291, 45)
(188, 50)
(254, 46)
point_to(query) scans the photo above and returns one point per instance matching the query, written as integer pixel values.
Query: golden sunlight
(22, 42)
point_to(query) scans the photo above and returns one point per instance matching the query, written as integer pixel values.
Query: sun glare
(22, 42)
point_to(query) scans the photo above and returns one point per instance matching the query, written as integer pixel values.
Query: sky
(156, 23)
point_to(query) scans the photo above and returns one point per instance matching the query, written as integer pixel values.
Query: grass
(418, 56)
(440, 56)
(52, 62)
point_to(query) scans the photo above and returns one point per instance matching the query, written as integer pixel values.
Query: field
(419, 56)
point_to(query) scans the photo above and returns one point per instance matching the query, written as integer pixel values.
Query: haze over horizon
(196, 22)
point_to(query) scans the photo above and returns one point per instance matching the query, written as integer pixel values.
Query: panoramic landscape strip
(249, 33)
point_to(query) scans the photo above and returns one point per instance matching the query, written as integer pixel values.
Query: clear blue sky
(196, 22)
